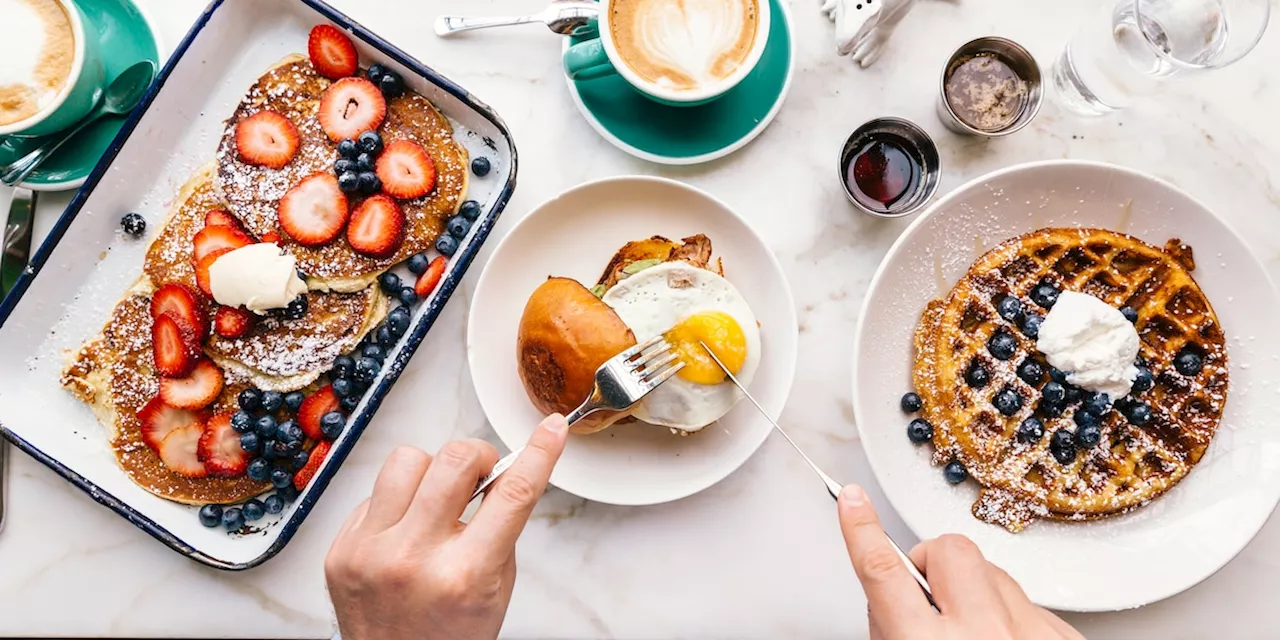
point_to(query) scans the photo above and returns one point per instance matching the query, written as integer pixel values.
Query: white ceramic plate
(574, 235)
(1154, 552)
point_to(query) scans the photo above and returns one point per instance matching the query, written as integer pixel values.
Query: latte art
(684, 44)
(36, 55)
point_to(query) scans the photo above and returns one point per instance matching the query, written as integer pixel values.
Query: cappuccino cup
(51, 75)
(676, 52)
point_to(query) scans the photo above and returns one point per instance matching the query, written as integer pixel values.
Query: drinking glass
(1127, 50)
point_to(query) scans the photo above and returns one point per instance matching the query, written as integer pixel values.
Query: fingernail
(556, 423)
(853, 495)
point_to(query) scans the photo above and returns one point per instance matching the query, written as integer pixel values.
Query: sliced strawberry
(171, 346)
(178, 451)
(314, 211)
(181, 302)
(219, 448)
(220, 218)
(377, 227)
(406, 170)
(271, 237)
(217, 237)
(202, 270)
(197, 390)
(157, 420)
(314, 408)
(302, 478)
(331, 52)
(350, 107)
(232, 322)
(267, 139)
(430, 278)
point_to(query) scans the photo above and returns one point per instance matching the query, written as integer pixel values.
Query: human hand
(976, 599)
(403, 566)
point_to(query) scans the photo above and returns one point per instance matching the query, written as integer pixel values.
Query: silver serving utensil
(561, 16)
(833, 487)
(121, 96)
(15, 245)
(620, 382)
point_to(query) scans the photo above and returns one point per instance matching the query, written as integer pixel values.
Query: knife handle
(15, 248)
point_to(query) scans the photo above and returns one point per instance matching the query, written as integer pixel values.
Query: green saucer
(125, 37)
(690, 135)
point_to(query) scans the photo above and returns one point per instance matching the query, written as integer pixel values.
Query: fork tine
(639, 348)
(649, 366)
(650, 355)
(653, 381)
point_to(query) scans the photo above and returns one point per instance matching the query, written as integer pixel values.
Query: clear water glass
(1126, 50)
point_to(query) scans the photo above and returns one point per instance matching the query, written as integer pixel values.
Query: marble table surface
(759, 555)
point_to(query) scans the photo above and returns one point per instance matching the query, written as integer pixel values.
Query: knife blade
(16, 247)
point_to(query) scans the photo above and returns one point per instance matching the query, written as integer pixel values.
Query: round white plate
(574, 235)
(1156, 551)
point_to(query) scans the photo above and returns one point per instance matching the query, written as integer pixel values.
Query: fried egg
(689, 305)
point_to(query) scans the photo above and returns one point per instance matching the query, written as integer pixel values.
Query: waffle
(1132, 465)
(293, 88)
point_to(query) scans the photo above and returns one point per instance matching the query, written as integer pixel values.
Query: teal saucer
(690, 135)
(126, 37)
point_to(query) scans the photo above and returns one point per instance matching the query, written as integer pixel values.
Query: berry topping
(977, 376)
(481, 166)
(1098, 403)
(1007, 402)
(217, 238)
(250, 400)
(1143, 381)
(1054, 393)
(418, 263)
(272, 401)
(350, 403)
(314, 462)
(1129, 313)
(1030, 325)
(156, 420)
(919, 431)
(341, 166)
(1031, 372)
(331, 424)
(348, 150)
(195, 391)
(1009, 308)
(180, 302)
(232, 322)
(1045, 295)
(447, 245)
(1051, 409)
(458, 227)
(470, 210)
(253, 510)
(367, 369)
(342, 387)
(331, 52)
(389, 283)
(251, 442)
(375, 73)
(202, 270)
(406, 170)
(1002, 345)
(211, 515)
(281, 478)
(242, 422)
(314, 211)
(314, 408)
(349, 181)
(259, 470)
(1088, 437)
(911, 402)
(273, 504)
(219, 448)
(1031, 430)
(299, 460)
(955, 473)
(220, 218)
(374, 351)
(266, 427)
(350, 107)
(343, 367)
(398, 322)
(175, 346)
(430, 279)
(369, 143)
(266, 139)
(1074, 394)
(1058, 375)
(1188, 362)
(1137, 413)
(293, 400)
(377, 227)
(368, 183)
(133, 224)
(289, 431)
(232, 519)
(365, 161)
(407, 295)
(1063, 446)
(297, 308)
(391, 84)
(178, 450)
(1084, 418)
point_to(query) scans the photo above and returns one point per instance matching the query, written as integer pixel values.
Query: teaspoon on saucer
(561, 16)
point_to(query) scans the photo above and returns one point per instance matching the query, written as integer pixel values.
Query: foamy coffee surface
(37, 49)
(684, 44)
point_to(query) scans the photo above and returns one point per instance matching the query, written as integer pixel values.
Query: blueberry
(331, 424)
(281, 478)
(446, 245)
(297, 308)
(273, 504)
(1097, 403)
(1063, 446)
(1045, 295)
(374, 351)
(1050, 409)
(266, 427)
(259, 470)
(911, 403)
(1007, 402)
(251, 442)
(384, 338)
(1143, 381)
(481, 166)
(375, 73)
(365, 163)
(391, 84)
(458, 227)
(1030, 325)
(1085, 418)
(955, 472)
(1009, 308)
(418, 263)
(250, 400)
(398, 322)
(343, 165)
(210, 515)
(977, 376)
(349, 182)
(370, 142)
(288, 494)
(293, 401)
(1188, 362)
(272, 401)
(342, 387)
(343, 366)
(1031, 430)
(241, 422)
(1073, 394)
(285, 449)
(133, 224)
(269, 450)
(919, 431)
(348, 149)
(470, 210)
(297, 461)
(1053, 392)
(367, 369)
(253, 510)
(1002, 345)
(232, 519)
(369, 183)
(1031, 372)
(289, 431)
(350, 402)
(408, 296)
(1088, 437)
(389, 283)
(1058, 375)
(1137, 413)
(1129, 313)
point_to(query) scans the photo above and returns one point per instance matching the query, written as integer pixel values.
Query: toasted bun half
(565, 334)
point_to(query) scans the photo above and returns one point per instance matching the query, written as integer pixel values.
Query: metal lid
(916, 143)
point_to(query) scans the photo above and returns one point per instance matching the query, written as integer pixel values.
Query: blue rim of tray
(462, 261)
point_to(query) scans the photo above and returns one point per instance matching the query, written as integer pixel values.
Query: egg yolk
(721, 333)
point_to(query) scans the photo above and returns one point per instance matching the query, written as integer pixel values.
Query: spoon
(561, 16)
(120, 98)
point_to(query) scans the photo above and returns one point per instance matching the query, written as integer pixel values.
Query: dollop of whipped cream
(1091, 342)
(259, 277)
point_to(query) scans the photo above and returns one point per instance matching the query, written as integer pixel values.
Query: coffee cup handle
(588, 61)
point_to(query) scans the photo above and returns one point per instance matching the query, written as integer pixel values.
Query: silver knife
(833, 487)
(16, 247)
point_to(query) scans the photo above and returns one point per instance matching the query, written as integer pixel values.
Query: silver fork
(620, 383)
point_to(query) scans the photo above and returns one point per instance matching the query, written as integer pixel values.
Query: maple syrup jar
(889, 168)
